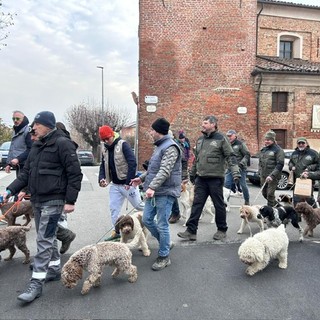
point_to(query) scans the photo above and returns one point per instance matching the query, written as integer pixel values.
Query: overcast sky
(53, 50)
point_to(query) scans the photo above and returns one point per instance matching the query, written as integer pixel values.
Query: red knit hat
(105, 132)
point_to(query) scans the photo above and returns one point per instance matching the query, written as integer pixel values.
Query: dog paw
(239, 232)
(147, 253)
(250, 272)
(283, 265)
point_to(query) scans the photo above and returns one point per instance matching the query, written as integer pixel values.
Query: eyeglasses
(16, 118)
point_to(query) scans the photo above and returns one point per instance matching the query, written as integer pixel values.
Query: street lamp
(102, 95)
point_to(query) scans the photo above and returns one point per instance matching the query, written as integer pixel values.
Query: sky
(53, 50)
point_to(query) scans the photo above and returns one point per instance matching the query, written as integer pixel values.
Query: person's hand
(68, 208)
(21, 195)
(126, 187)
(304, 175)
(103, 183)
(6, 195)
(135, 182)
(293, 169)
(268, 179)
(14, 161)
(149, 193)
(7, 169)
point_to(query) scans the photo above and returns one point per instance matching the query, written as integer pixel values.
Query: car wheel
(283, 182)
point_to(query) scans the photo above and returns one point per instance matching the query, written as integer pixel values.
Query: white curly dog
(258, 250)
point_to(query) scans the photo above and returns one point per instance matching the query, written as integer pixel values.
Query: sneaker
(247, 203)
(174, 219)
(161, 263)
(114, 236)
(219, 235)
(187, 235)
(171, 244)
(33, 292)
(53, 276)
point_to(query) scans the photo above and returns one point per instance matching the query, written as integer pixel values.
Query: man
(207, 173)
(20, 143)
(271, 162)
(53, 175)
(302, 161)
(243, 157)
(162, 185)
(118, 166)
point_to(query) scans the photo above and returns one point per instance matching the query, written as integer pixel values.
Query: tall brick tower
(196, 59)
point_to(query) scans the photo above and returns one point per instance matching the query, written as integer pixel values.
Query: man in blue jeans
(162, 184)
(243, 157)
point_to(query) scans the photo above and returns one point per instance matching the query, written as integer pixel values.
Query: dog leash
(260, 191)
(17, 203)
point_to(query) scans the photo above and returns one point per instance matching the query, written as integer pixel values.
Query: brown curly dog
(93, 258)
(18, 209)
(310, 215)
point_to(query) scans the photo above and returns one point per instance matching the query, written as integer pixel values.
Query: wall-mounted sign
(151, 108)
(151, 99)
(242, 110)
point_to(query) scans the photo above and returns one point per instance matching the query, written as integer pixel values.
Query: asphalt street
(206, 279)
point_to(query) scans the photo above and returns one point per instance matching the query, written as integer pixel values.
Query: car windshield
(5, 146)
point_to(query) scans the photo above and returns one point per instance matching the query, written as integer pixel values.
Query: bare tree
(86, 120)
(6, 20)
(5, 132)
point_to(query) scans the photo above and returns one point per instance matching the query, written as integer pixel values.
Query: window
(286, 49)
(279, 102)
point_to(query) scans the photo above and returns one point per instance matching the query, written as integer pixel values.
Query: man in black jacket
(53, 175)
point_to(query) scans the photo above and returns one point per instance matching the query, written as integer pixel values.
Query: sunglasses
(16, 118)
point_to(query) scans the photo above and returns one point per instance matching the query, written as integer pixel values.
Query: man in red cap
(118, 167)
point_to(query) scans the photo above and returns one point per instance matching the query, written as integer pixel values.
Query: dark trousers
(203, 188)
(175, 211)
(269, 190)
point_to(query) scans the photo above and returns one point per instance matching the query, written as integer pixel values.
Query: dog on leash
(15, 236)
(133, 232)
(12, 210)
(93, 258)
(285, 199)
(257, 251)
(250, 214)
(278, 215)
(310, 215)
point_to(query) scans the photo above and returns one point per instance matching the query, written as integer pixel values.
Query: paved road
(205, 281)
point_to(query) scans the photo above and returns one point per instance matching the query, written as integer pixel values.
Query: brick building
(229, 58)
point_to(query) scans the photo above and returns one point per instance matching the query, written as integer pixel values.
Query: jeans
(243, 183)
(159, 206)
(203, 188)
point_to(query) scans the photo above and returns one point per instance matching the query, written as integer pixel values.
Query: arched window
(289, 46)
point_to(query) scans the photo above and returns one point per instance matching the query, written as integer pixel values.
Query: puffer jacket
(271, 161)
(52, 170)
(241, 152)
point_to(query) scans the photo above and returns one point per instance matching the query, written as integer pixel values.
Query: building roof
(279, 65)
(292, 4)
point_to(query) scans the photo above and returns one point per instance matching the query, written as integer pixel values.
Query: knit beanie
(302, 139)
(270, 135)
(181, 135)
(161, 125)
(46, 118)
(105, 132)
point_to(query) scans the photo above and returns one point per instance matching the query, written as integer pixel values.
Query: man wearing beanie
(212, 151)
(118, 166)
(271, 161)
(162, 184)
(53, 175)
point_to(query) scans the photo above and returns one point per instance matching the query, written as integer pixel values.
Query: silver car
(4, 150)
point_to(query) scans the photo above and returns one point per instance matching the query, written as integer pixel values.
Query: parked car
(253, 175)
(86, 157)
(4, 150)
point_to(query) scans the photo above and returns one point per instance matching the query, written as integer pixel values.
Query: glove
(268, 179)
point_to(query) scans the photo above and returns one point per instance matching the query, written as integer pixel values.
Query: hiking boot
(174, 219)
(219, 235)
(33, 291)
(66, 236)
(187, 235)
(161, 263)
(114, 236)
(52, 275)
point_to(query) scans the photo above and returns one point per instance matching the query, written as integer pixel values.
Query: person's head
(32, 132)
(209, 124)
(43, 123)
(160, 128)
(232, 135)
(269, 138)
(302, 143)
(106, 134)
(182, 137)
(17, 117)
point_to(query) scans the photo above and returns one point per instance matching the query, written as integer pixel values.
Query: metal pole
(102, 95)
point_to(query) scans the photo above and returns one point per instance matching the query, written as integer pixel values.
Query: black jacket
(52, 170)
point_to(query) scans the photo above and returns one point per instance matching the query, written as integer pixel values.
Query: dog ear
(258, 252)
(117, 225)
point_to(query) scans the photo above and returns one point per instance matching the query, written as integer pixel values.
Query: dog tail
(26, 228)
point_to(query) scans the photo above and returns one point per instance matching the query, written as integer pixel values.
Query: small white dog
(258, 250)
(250, 214)
(133, 232)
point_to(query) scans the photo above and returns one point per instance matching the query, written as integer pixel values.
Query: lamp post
(102, 95)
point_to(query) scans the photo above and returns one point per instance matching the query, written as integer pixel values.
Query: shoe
(174, 219)
(171, 244)
(114, 236)
(52, 276)
(33, 292)
(219, 235)
(187, 235)
(161, 263)
(247, 203)
(65, 245)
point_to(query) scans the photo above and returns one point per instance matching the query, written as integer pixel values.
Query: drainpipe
(258, 110)
(257, 27)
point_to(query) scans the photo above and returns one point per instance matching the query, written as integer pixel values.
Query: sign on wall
(316, 117)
